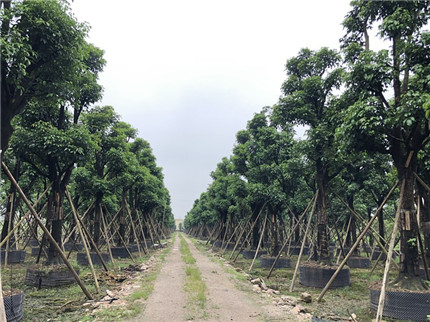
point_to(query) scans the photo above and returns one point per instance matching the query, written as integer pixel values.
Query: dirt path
(168, 299)
(227, 303)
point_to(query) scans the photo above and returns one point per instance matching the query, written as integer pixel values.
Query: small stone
(295, 310)
(263, 285)
(354, 316)
(237, 269)
(302, 309)
(110, 293)
(255, 281)
(306, 297)
(256, 288)
(276, 292)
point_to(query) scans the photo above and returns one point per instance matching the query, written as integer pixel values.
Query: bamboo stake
(249, 232)
(6, 254)
(369, 224)
(290, 236)
(106, 236)
(372, 231)
(231, 237)
(381, 301)
(211, 233)
(344, 241)
(226, 232)
(240, 235)
(259, 242)
(2, 310)
(93, 244)
(133, 228)
(83, 217)
(45, 230)
(84, 241)
(145, 245)
(303, 243)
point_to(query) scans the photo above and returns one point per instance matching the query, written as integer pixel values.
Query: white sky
(189, 74)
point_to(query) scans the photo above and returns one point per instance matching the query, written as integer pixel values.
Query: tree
(391, 89)
(308, 99)
(40, 43)
(50, 138)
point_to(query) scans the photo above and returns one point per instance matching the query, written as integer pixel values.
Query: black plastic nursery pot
(250, 253)
(13, 256)
(217, 243)
(403, 305)
(82, 258)
(13, 305)
(314, 275)
(358, 262)
(119, 252)
(33, 242)
(295, 250)
(267, 261)
(41, 277)
(35, 251)
(69, 246)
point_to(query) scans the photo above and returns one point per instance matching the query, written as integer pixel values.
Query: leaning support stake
(85, 230)
(289, 237)
(259, 242)
(381, 301)
(303, 243)
(45, 230)
(359, 238)
(84, 241)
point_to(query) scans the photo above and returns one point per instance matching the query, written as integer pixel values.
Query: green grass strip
(194, 285)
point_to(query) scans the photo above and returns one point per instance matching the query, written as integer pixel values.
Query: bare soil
(168, 299)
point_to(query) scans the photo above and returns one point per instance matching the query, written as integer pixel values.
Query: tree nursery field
(333, 226)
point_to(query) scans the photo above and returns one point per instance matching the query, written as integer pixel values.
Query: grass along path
(194, 286)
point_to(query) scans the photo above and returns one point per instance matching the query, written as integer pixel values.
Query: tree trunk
(409, 275)
(97, 218)
(255, 232)
(322, 201)
(55, 215)
(425, 218)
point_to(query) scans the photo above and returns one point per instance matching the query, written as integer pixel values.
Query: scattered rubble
(306, 297)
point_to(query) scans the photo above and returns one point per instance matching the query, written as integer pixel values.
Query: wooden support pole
(259, 242)
(293, 280)
(228, 241)
(83, 217)
(211, 233)
(133, 228)
(290, 236)
(240, 235)
(79, 220)
(381, 301)
(249, 233)
(145, 245)
(106, 235)
(359, 238)
(372, 231)
(84, 241)
(2, 310)
(45, 230)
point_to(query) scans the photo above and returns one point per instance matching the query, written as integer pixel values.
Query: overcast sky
(189, 74)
